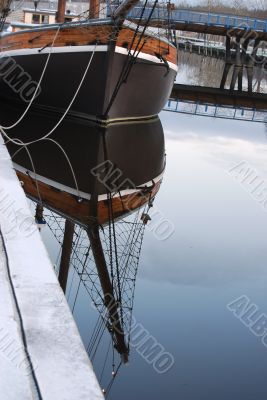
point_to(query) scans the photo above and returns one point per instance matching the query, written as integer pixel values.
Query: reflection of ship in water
(97, 184)
(82, 163)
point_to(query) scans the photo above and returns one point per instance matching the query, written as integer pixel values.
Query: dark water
(217, 253)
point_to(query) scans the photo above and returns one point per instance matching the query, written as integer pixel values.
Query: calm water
(217, 253)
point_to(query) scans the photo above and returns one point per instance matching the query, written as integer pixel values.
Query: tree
(4, 4)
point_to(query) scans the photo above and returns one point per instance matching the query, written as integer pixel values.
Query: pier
(218, 103)
(223, 97)
(212, 48)
(243, 38)
(41, 352)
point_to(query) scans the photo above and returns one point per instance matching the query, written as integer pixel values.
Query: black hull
(135, 149)
(142, 94)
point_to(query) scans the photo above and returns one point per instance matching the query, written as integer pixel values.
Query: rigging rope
(33, 168)
(80, 281)
(62, 117)
(64, 153)
(107, 391)
(130, 57)
(105, 362)
(37, 87)
(128, 234)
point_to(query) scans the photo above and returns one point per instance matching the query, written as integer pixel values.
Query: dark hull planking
(143, 92)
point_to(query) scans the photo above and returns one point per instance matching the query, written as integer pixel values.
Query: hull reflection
(83, 163)
(90, 177)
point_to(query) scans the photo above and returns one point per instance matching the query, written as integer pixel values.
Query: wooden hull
(81, 212)
(145, 87)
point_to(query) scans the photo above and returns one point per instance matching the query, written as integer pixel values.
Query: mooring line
(2, 129)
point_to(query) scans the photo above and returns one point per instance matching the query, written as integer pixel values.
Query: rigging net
(121, 242)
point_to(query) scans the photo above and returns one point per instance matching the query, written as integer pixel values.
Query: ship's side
(101, 71)
(150, 73)
(70, 49)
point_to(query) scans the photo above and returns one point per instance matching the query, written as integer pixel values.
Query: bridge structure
(202, 22)
(204, 109)
(212, 48)
(214, 102)
(244, 36)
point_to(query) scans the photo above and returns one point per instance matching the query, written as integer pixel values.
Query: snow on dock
(41, 352)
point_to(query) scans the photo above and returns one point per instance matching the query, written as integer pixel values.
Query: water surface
(217, 253)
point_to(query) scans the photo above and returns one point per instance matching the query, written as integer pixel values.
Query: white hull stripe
(146, 56)
(82, 49)
(72, 191)
(54, 50)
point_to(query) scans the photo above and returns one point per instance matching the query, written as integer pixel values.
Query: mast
(66, 254)
(61, 10)
(109, 299)
(94, 9)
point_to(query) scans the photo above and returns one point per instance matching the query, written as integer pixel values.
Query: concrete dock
(41, 353)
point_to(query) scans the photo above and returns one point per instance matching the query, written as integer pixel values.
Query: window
(36, 18)
(44, 19)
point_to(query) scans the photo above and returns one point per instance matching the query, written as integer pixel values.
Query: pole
(94, 9)
(237, 65)
(228, 62)
(61, 10)
(66, 254)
